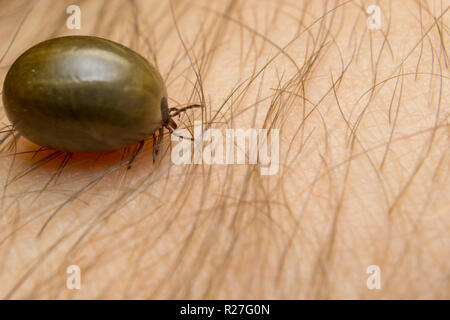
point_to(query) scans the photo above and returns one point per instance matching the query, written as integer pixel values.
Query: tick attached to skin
(87, 94)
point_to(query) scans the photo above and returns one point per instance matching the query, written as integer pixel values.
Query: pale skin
(364, 165)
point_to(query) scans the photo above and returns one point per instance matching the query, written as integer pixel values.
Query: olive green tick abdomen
(84, 94)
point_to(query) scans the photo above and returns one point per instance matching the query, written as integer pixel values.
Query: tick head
(165, 110)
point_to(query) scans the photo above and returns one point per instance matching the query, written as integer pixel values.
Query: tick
(87, 94)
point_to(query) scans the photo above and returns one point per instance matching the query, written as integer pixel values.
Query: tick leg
(155, 151)
(178, 111)
(135, 153)
(171, 132)
(157, 143)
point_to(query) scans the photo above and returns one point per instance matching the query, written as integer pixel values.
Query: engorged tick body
(85, 94)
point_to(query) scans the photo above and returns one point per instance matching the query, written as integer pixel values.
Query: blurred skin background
(364, 166)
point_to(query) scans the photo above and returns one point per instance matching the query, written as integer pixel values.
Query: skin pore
(364, 166)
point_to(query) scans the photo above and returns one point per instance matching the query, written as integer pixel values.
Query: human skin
(364, 165)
